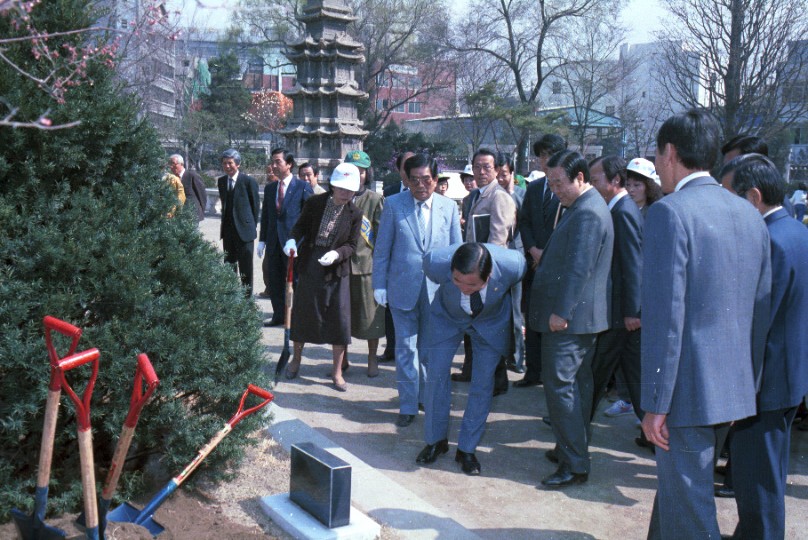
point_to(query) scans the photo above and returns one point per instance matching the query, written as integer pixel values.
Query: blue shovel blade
(126, 513)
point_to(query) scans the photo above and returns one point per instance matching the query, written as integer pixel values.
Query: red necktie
(280, 196)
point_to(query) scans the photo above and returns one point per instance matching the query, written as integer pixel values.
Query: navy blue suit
(761, 443)
(275, 228)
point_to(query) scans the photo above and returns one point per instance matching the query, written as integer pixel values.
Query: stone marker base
(300, 524)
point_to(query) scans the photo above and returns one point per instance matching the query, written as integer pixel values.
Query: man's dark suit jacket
(785, 365)
(195, 191)
(246, 205)
(572, 279)
(389, 191)
(535, 224)
(275, 228)
(626, 261)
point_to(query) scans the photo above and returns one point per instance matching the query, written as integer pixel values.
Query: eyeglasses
(487, 167)
(423, 180)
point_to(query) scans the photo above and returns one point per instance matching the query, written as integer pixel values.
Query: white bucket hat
(535, 175)
(467, 171)
(645, 168)
(345, 176)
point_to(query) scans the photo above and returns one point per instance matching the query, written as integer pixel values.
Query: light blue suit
(397, 268)
(490, 338)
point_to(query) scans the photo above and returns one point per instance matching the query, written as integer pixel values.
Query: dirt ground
(227, 511)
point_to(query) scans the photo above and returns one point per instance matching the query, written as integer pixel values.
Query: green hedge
(84, 237)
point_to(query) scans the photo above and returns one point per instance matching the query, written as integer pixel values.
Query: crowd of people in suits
(696, 294)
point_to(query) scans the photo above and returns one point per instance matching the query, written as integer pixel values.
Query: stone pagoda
(325, 124)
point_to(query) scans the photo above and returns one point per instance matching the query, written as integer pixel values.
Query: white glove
(261, 246)
(289, 247)
(380, 295)
(329, 258)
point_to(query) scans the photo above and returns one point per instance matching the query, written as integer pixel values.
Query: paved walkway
(439, 501)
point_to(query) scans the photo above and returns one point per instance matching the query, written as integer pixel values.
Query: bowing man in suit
(240, 207)
(705, 309)
(620, 345)
(570, 306)
(283, 203)
(474, 297)
(412, 223)
(760, 447)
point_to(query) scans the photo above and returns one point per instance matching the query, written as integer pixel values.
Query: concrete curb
(371, 491)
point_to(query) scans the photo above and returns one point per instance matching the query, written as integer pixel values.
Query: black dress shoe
(431, 452)
(468, 462)
(421, 407)
(511, 365)
(725, 492)
(551, 455)
(721, 469)
(387, 356)
(645, 443)
(524, 383)
(273, 322)
(564, 477)
(461, 377)
(404, 420)
(501, 390)
(546, 420)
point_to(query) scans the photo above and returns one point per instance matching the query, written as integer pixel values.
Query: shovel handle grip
(143, 375)
(241, 414)
(83, 404)
(65, 328)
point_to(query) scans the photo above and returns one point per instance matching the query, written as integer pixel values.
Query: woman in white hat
(643, 184)
(324, 238)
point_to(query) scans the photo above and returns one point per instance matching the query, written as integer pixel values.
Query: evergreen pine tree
(85, 237)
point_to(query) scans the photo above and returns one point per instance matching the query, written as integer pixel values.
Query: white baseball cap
(645, 168)
(467, 171)
(345, 176)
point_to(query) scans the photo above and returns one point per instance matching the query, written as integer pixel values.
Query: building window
(414, 107)
(379, 104)
(401, 108)
(556, 87)
(610, 110)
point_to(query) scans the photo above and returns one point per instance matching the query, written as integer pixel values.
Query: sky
(641, 17)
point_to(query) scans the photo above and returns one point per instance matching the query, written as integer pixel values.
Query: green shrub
(84, 237)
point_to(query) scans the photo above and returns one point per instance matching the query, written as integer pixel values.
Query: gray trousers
(567, 373)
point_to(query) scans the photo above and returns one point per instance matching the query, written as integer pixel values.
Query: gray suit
(397, 268)
(572, 281)
(705, 308)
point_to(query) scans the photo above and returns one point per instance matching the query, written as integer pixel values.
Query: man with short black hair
(283, 203)
(310, 174)
(760, 446)
(705, 303)
(240, 208)
(473, 297)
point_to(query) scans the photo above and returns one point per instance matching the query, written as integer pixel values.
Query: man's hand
(380, 295)
(261, 247)
(557, 324)
(632, 323)
(536, 254)
(655, 427)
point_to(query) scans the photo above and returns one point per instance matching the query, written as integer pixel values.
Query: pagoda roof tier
(326, 55)
(326, 9)
(341, 40)
(345, 90)
(339, 130)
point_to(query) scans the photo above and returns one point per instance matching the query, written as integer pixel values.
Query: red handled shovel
(34, 526)
(144, 375)
(127, 513)
(85, 436)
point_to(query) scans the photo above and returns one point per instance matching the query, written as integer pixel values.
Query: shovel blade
(126, 513)
(282, 361)
(31, 527)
